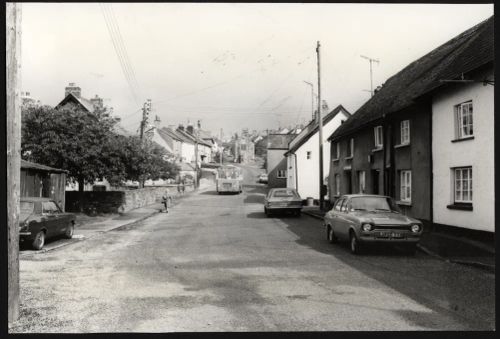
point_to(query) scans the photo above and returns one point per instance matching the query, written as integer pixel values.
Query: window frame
(278, 174)
(336, 154)
(337, 184)
(404, 185)
(308, 155)
(405, 133)
(350, 148)
(459, 119)
(378, 134)
(361, 174)
(469, 181)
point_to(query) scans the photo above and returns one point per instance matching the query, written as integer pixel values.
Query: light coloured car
(263, 178)
(362, 219)
(283, 200)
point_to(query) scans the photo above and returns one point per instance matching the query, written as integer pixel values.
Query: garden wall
(119, 201)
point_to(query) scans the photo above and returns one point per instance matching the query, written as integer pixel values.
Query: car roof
(364, 195)
(35, 199)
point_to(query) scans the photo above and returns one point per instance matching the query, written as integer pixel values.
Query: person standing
(164, 201)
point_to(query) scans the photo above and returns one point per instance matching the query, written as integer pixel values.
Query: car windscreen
(372, 204)
(285, 194)
(26, 208)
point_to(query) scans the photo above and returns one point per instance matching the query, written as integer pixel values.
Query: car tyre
(354, 244)
(38, 241)
(330, 236)
(69, 231)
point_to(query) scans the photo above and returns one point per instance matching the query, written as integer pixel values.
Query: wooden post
(13, 53)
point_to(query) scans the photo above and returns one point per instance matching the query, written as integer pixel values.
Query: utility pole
(371, 60)
(196, 155)
(320, 124)
(146, 108)
(312, 98)
(13, 131)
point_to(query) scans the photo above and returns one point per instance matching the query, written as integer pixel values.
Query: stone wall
(119, 201)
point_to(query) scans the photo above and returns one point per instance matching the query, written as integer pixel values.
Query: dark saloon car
(40, 219)
(283, 200)
(362, 219)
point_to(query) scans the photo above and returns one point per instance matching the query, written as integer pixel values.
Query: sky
(231, 66)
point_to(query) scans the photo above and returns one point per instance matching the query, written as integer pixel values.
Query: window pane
(458, 174)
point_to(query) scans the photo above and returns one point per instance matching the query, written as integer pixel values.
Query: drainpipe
(384, 138)
(296, 173)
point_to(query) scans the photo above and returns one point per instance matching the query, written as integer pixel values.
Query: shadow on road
(444, 288)
(254, 199)
(257, 215)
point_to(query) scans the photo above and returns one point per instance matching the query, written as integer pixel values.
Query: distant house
(72, 97)
(302, 156)
(276, 162)
(403, 137)
(43, 181)
(244, 150)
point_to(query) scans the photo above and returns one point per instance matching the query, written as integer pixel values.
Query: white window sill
(378, 149)
(401, 145)
(404, 203)
(335, 160)
(348, 158)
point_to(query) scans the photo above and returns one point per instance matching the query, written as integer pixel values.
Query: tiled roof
(466, 52)
(31, 165)
(313, 127)
(170, 132)
(192, 138)
(279, 141)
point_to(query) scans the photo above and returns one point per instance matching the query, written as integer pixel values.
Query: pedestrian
(164, 200)
(183, 187)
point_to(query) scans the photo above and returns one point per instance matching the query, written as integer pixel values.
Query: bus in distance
(229, 179)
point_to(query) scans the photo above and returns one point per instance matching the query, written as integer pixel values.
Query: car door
(334, 217)
(342, 222)
(52, 220)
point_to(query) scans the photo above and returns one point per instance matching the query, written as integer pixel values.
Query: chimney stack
(190, 129)
(181, 127)
(71, 88)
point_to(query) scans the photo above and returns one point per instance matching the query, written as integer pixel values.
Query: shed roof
(31, 165)
(313, 127)
(464, 53)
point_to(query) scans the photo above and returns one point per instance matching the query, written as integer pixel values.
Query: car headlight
(415, 228)
(366, 227)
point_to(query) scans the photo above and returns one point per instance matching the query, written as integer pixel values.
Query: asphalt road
(216, 263)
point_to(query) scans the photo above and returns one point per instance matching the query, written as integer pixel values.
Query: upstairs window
(463, 120)
(405, 132)
(308, 155)
(350, 148)
(379, 139)
(281, 174)
(336, 151)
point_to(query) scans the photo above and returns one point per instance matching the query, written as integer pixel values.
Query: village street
(216, 263)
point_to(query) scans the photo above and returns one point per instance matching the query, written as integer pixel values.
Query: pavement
(455, 248)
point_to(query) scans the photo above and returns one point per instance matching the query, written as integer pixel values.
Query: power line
(118, 49)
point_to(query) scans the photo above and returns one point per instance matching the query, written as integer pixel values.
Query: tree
(71, 139)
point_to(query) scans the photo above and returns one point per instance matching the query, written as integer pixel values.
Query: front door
(375, 181)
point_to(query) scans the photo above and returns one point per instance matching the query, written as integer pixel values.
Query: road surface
(216, 263)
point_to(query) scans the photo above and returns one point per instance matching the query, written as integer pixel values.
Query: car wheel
(354, 244)
(330, 235)
(69, 231)
(39, 241)
(298, 214)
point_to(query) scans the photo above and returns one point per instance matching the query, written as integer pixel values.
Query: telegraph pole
(371, 60)
(196, 156)
(13, 134)
(146, 108)
(320, 124)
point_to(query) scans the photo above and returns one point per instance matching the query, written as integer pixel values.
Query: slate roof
(171, 133)
(85, 103)
(31, 165)
(464, 53)
(312, 128)
(192, 138)
(279, 141)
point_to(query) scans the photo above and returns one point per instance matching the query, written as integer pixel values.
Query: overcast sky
(229, 65)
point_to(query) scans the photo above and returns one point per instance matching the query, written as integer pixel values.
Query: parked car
(42, 218)
(362, 219)
(263, 178)
(283, 200)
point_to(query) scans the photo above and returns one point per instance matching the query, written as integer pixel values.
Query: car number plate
(390, 235)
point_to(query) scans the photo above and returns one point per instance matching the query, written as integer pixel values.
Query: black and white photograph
(249, 167)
